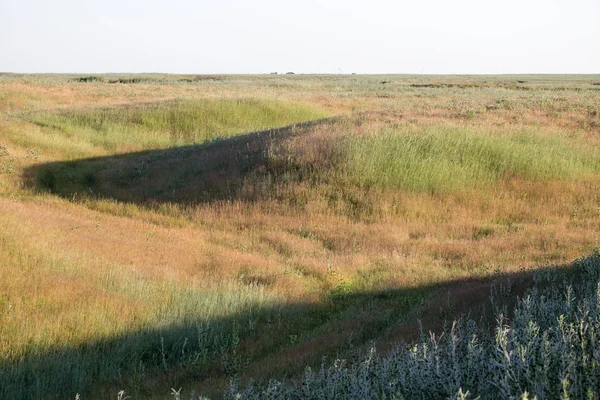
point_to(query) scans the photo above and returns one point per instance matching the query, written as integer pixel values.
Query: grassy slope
(320, 235)
(442, 159)
(174, 123)
(543, 347)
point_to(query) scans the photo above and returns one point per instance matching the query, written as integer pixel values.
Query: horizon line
(300, 73)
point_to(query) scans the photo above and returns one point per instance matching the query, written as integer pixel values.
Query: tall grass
(99, 294)
(447, 159)
(123, 330)
(175, 122)
(548, 348)
(130, 330)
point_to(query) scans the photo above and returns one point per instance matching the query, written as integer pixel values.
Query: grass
(148, 242)
(450, 159)
(129, 319)
(545, 349)
(175, 122)
(128, 326)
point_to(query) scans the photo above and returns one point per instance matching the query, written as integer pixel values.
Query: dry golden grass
(282, 238)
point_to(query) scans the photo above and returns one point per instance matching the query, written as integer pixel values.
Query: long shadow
(260, 343)
(225, 169)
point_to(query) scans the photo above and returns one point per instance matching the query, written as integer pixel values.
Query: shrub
(548, 348)
(89, 79)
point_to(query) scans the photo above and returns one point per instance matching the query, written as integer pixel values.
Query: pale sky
(307, 36)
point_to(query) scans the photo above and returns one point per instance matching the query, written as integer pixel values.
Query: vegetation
(173, 123)
(194, 231)
(442, 159)
(545, 348)
(90, 78)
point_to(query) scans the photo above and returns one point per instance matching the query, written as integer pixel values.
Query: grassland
(177, 231)
(546, 349)
(173, 123)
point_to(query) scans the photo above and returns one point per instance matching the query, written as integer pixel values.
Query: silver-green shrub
(547, 348)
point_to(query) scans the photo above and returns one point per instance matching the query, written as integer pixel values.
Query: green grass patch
(175, 123)
(447, 159)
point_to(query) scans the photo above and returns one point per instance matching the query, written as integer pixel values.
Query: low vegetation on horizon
(256, 236)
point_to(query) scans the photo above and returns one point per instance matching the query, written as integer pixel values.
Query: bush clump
(86, 79)
(548, 348)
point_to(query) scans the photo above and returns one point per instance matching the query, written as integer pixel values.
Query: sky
(307, 36)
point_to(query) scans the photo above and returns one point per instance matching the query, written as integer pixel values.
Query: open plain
(178, 231)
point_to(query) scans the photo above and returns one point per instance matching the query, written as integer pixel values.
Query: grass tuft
(442, 159)
(175, 122)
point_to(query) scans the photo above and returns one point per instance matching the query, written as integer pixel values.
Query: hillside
(167, 231)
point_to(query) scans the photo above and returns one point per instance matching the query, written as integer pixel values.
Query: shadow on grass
(277, 341)
(210, 172)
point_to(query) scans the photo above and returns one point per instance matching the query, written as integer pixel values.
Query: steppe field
(299, 236)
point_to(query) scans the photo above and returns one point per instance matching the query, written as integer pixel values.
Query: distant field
(166, 231)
